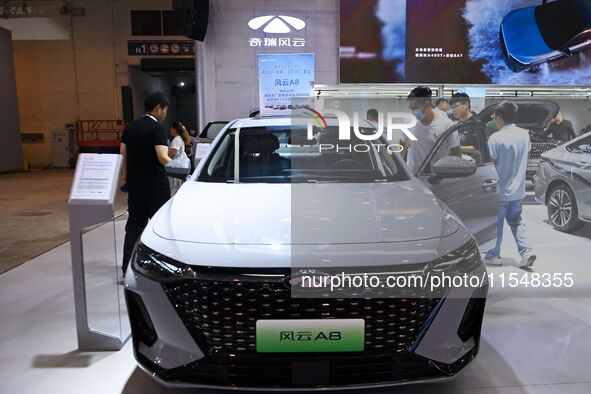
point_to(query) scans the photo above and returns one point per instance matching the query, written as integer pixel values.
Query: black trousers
(141, 205)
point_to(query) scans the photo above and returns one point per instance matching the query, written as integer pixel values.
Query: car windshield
(286, 155)
(562, 20)
(581, 146)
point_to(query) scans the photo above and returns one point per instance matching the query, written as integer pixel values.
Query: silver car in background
(563, 183)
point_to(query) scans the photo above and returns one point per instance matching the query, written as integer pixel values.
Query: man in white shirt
(509, 148)
(432, 123)
(443, 105)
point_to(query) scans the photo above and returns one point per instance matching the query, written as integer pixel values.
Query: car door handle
(582, 164)
(490, 184)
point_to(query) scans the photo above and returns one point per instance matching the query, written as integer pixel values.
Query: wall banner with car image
(282, 78)
(509, 42)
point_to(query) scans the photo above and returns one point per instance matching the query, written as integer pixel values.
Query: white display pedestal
(92, 202)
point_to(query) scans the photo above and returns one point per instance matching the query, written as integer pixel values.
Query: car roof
(287, 121)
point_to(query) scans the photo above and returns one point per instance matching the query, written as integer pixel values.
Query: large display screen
(506, 42)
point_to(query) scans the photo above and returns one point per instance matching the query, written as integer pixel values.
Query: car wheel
(562, 209)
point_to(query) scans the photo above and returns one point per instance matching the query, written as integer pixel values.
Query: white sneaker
(493, 262)
(528, 258)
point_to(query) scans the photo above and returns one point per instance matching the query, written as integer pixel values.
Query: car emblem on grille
(313, 282)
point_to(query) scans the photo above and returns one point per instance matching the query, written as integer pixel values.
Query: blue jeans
(510, 210)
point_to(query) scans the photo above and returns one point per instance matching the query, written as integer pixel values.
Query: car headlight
(154, 265)
(464, 259)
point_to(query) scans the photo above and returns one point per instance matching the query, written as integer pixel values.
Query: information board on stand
(91, 203)
(283, 78)
(96, 178)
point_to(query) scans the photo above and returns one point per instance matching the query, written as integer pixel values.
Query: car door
(474, 198)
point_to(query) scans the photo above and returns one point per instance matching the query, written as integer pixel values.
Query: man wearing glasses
(460, 107)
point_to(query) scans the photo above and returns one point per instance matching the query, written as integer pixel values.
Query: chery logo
(277, 24)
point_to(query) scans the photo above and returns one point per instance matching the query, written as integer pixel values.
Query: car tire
(562, 207)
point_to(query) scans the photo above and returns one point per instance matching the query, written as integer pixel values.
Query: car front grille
(537, 148)
(221, 315)
(220, 307)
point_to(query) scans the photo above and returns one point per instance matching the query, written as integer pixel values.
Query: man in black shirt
(144, 147)
(561, 129)
(461, 107)
(469, 136)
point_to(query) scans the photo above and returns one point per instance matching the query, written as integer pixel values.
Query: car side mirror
(453, 167)
(178, 168)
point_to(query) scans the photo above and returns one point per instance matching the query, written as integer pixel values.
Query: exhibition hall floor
(34, 206)
(528, 345)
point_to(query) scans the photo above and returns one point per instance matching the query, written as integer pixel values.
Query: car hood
(303, 214)
(523, 39)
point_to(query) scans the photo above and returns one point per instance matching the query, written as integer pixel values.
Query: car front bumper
(200, 333)
(376, 385)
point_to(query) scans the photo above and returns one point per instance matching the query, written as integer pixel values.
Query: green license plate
(313, 335)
